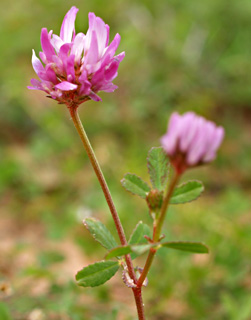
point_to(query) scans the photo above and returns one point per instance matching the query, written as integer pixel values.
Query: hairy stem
(90, 152)
(157, 229)
(146, 268)
(164, 207)
(139, 303)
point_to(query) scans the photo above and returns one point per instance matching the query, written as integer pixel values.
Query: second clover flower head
(76, 66)
(191, 140)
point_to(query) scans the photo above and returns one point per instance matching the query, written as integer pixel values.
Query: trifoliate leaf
(142, 248)
(138, 249)
(97, 273)
(139, 232)
(137, 236)
(100, 233)
(135, 185)
(157, 163)
(187, 192)
(195, 247)
(118, 251)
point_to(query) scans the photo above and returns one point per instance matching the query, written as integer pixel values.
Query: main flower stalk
(73, 109)
(72, 69)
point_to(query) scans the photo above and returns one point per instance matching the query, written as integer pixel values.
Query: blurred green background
(180, 55)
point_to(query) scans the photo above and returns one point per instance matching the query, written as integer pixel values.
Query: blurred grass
(179, 56)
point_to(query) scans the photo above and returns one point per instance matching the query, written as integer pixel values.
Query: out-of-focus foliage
(180, 55)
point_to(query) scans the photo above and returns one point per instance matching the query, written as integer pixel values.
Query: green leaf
(100, 233)
(187, 192)
(4, 312)
(196, 247)
(97, 273)
(142, 248)
(157, 163)
(137, 249)
(138, 234)
(135, 185)
(118, 251)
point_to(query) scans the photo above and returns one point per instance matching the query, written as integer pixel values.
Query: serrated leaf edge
(118, 247)
(184, 183)
(94, 237)
(121, 181)
(190, 242)
(133, 249)
(148, 169)
(147, 246)
(91, 264)
(140, 222)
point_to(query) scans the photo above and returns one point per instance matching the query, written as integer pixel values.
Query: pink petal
(120, 56)
(36, 85)
(78, 47)
(110, 87)
(89, 32)
(188, 131)
(58, 64)
(216, 140)
(36, 63)
(83, 76)
(50, 74)
(107, 34)
(66, 86)
(39, 68)
(70, 70)
(219, 135)
(100, 69)
(171, 139)
(101, 32)
(85, 84)
(198, 146)
(42, 56)
(92, 54)
(64, 52)
(68, 25)
(173, 122)
(169, 143)
(57, 42)
(98, 78)
(92, 18)
(110, 51)
(47, 85)
(46, 45)
(85, 88)
(111, 71)
(94, 97)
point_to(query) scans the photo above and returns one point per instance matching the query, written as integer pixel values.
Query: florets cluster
(76, 66)
(191, 140)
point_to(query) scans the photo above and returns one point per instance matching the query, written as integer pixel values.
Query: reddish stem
(139, 302)
(157, 229)
(78, 124)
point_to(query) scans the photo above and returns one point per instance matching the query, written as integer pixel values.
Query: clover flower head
(191, 140)
(74, 66)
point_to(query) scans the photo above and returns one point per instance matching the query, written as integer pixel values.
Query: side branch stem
(164, 207)
(157, 229)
